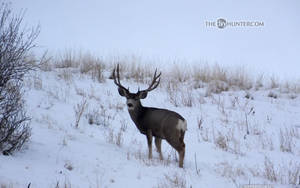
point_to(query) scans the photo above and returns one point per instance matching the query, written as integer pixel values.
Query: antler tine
(154, 82)
(117, 78)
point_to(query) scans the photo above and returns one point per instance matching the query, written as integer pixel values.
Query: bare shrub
(15, 46)
(79, 109)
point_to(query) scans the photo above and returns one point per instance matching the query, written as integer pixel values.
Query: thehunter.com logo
(222, 23)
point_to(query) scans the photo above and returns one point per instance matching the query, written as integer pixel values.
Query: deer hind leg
(181, 149)
(158, 147)
(149, 139)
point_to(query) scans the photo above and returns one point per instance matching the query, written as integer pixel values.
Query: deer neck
(137, 112)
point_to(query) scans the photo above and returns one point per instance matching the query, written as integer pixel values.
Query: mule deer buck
(154, 122)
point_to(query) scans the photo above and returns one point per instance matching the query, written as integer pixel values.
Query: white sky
(174, 29)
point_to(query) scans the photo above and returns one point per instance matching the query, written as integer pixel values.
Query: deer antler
(117, 79)
(154, 83)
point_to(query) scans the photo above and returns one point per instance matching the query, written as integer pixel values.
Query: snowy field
(238, 133)
(237, 87)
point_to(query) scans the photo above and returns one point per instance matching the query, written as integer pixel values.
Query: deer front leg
(149, 139)
(158, 147)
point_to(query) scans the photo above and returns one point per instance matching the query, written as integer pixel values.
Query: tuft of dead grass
(174, 180)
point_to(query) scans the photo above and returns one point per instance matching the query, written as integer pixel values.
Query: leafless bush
(15, 45)
(79, 109)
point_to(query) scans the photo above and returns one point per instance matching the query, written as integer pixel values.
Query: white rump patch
(182, 125)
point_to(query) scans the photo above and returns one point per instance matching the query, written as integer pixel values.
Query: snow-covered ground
(106, 149)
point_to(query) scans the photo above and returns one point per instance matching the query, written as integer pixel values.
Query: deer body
(155, 122)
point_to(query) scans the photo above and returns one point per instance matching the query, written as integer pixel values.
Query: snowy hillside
(238, 133)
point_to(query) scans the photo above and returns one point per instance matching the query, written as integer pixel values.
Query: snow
(89, 156)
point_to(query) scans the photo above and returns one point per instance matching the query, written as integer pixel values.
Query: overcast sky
(173, 29)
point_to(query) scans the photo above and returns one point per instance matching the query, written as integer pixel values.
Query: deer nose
(130, 105)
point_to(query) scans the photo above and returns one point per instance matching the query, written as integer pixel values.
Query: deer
(154, 122)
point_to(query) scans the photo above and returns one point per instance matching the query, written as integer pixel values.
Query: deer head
(133, 99)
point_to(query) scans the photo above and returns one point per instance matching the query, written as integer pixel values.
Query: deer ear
(122, 92)
(142, 94)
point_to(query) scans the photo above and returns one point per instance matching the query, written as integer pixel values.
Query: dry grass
(270, 172)
(286, 138)
(100, 116)
(174, 180)
(79, 109)
(216, 78)
(115, 138)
